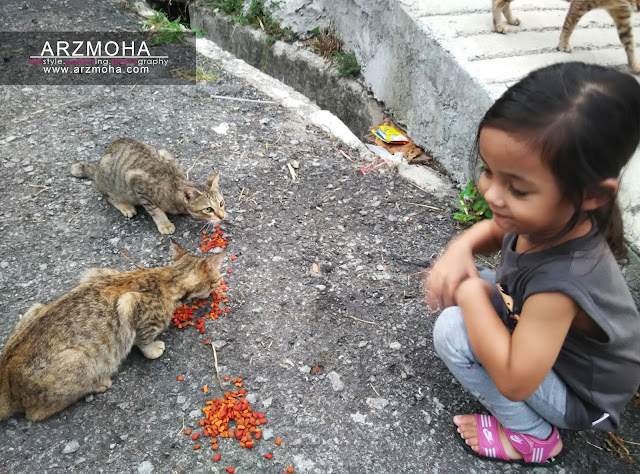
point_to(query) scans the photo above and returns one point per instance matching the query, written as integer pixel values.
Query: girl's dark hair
(585, 121)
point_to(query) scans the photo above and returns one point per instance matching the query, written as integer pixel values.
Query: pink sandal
(533, 450)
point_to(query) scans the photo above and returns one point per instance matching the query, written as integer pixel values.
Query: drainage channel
(299, 68)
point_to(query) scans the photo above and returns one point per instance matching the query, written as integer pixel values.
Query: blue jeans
(533, 416)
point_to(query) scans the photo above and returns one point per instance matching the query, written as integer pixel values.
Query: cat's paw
(127, 210)
(564, 46)
(103, 386)
(153, 350)
(166, 228)
(500, 29)
(635, 68)
(514, 21)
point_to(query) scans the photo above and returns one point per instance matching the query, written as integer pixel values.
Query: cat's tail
(82, 169)
(6, 407)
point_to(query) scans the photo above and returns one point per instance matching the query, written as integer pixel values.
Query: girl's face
(521, 190)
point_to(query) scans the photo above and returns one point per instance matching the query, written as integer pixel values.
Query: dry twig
(128, 259)
(215, 364)
(362, 320)
(433, 208)
(346, 156)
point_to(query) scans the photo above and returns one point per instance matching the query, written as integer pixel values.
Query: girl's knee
(450, 332)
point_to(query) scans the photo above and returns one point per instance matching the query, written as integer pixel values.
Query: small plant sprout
(473, 207)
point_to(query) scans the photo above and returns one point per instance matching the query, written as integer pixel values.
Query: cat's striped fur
(619, 10)
(60, 352)
(133, 173)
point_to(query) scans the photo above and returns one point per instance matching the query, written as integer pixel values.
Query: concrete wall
(437, 65)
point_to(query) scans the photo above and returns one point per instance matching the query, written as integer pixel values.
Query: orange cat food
(213, 240)
(180, 378)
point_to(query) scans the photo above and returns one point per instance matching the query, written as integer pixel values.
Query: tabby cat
(619, 10)
(133, 173)
(503, 7)
(60, 352)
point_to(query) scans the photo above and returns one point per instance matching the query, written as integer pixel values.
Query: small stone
(395, 346)
(295, 164)
(305, 369)
(219, 344)
(380, 268)
(321, 287)
(266, 403)
(28, 169)
(181, 399)
(251, 398)
(377, 403)
(362, 344)
(112, 445)
(124, 437)
(10, 138)
(4, 264)
(221, 129)
(294, 142)
(145, 467)
(43, 266)
(71, 447)
(267, 433)
(277, 258)
(359, 418)
(195, 414)
(336, 383)
(89, 398)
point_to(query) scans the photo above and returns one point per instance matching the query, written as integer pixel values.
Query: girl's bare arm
(518, 362)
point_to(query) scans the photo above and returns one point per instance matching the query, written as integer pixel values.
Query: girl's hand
(445, 275)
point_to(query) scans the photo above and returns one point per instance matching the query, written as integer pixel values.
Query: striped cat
(71, 347)
(133, 173)
(499, 8)
(619, 10)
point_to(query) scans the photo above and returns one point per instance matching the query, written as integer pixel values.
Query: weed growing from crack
(257, 15)
(346, 63)
(473, 207)
(324, 42)
(327, 44)
(168, 31)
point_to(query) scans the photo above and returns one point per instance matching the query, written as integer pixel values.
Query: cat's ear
(214, 262)
(189, 194)
(213, 181)
(177, 251)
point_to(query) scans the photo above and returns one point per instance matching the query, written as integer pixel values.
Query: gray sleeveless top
(601, 377)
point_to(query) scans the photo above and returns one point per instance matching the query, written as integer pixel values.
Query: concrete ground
(338, 356)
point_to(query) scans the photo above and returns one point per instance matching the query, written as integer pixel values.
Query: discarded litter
(389, 134)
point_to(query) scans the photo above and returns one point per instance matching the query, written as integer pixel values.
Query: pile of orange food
(220, 412)
(214, 240)
(184, 315)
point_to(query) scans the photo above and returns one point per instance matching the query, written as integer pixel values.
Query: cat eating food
(133, 173)
(60, 352)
